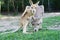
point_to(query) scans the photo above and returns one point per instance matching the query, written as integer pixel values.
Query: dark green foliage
(54, 5)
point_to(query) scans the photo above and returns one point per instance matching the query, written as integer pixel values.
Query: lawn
(40, 35)
(51, 21)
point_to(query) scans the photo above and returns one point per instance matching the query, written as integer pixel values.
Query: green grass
(40, 35)
(51, 21)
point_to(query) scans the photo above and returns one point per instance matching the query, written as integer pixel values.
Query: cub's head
(33, 6)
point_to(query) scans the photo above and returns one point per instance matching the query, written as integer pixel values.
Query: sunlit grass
(40, 35)
(51, 21)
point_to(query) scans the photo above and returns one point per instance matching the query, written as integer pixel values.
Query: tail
(10, 31)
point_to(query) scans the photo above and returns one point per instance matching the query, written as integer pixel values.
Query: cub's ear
(37, 3)
(30, 1)
(28, 7)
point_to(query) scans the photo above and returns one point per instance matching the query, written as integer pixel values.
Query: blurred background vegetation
(19, 5)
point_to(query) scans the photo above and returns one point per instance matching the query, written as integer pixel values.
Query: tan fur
(25, 19)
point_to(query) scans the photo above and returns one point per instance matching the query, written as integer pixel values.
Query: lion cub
(25, 18)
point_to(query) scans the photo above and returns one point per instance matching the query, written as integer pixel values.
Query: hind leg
(25, 27)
